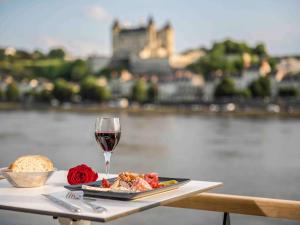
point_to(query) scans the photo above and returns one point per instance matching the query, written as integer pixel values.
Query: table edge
(107, 219)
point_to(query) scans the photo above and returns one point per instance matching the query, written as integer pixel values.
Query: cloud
(98, 13)
(80, 48)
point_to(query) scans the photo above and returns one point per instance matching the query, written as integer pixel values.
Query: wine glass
(107, 134)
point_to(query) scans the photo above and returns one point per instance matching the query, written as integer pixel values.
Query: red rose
(81, 174)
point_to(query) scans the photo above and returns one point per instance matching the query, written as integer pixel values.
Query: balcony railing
(246, 205)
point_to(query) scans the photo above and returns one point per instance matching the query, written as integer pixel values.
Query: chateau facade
(143, 42)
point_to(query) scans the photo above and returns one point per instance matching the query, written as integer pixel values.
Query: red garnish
(152, 179)
(105, 183)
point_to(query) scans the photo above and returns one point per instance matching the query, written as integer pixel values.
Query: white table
(30, 200)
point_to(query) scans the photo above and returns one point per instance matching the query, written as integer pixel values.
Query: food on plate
(81, 174)
(133, 182)
(167, 183)
(31, 163)
(140, 184)
(152, 179)
(105, 183)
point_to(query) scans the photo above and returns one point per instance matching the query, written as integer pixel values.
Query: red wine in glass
(107, 139)
(107, 134)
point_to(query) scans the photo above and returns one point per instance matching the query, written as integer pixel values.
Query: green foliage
(243, 93)
(230, 47)
(12, 92)
(63, 91)
(1, 95)
(79, 70)
(20, 54)
(105, 72)
(260, 50)
(214, 63)
(261, 87)
(272, 62)
(2, 54)
(226, 88)
(37, 55)
(225, 58)
(44, 96)
(17, 70)
(51, 69)
(57, 53)
(152, 92)
(90, 90)
(139, 91)
(288, 92)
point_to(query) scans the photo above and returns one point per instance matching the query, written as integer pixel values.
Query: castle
(143, 42)
(147, 50)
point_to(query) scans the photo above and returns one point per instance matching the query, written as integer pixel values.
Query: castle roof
(135, 29)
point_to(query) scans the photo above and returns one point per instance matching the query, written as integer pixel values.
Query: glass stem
(107, 156)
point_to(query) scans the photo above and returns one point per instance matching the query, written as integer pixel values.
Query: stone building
(142, 41)
(148, 50)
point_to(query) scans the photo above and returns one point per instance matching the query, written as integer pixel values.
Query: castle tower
(115, 35)
(151, 35)
(116, 26)
(169, 39)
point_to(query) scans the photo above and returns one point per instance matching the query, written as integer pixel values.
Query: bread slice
(32, 163)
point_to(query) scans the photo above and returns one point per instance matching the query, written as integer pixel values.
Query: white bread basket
(25, 179)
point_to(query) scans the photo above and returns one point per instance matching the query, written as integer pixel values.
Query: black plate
(124, 195)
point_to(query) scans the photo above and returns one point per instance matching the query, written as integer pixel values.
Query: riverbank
(212, 110)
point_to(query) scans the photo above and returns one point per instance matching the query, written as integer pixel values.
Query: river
(251, 156)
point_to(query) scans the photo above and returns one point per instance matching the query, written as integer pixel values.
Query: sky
(82, 27)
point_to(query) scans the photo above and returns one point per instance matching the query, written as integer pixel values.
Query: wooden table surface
(30, 200)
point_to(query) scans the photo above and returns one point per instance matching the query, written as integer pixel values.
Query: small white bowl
(26, 179)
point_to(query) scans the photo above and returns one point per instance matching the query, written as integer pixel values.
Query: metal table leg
(226, 219)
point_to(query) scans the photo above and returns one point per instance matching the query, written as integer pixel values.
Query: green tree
(226, 88)
(288, 92)
(260, 50)
(225, 58)
(218, 50)
(12, 92)
(139, 91)
(273, 63)
(57, 53)
(1, 95)
(44, 96)
(37, 55)
(21, 54)
(261, 87)
(62, 91)
(243, 93)
(152, 92)
(17, 70)
(90, 90)
(79, 70)
(2, 54)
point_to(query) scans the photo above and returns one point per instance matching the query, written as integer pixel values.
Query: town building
(185, 86)
(97, 63)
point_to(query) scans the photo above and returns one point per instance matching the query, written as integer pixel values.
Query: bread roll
(32, 163)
